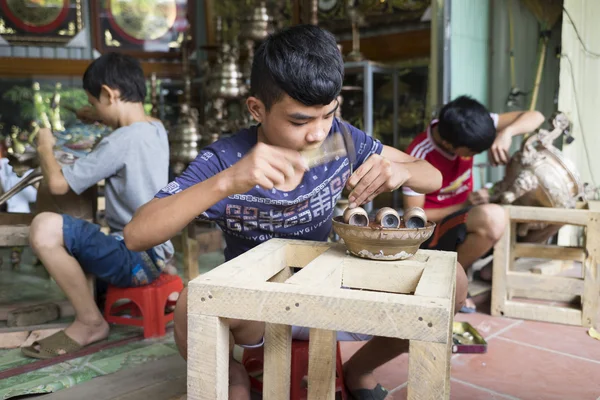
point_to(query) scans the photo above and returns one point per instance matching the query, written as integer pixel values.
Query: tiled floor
(525, 360)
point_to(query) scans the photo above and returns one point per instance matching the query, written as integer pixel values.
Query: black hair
(117, 71)
(465, 122)
(302, 61)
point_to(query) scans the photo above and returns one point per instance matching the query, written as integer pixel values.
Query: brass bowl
(378, 243)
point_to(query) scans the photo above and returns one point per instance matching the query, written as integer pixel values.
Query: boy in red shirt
(466, 223)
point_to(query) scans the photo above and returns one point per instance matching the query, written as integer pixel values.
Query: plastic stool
(253, 360)
(147, 303)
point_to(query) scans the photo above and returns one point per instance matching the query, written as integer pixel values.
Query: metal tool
(336, 145)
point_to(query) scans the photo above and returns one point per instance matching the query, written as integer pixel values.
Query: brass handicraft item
(40, 23)
(387, 237)
(540, 175)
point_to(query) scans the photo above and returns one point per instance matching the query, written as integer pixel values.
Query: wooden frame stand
(508, 283)
(332, 291)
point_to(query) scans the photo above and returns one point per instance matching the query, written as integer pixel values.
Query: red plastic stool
(253, 360)
(146, 306)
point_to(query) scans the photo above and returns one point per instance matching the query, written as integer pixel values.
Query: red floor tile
(567, 339)
(460, 391)
(485, 324)
(390, 375)
(529, 373)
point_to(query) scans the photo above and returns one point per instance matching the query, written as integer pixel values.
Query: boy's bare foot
(239, 383)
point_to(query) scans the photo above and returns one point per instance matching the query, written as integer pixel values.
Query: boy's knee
(462, 287)
(489, 220)
(46, 231)
(180, 321)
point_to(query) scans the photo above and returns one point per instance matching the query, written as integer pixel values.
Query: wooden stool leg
(591, 276)
(278, 362)
(321, 364)
(429, 370)
(208, 358)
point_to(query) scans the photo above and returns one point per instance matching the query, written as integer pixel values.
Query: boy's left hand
(375, 176)
(45, 138)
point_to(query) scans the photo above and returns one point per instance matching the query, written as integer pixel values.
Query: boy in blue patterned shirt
(257, 186)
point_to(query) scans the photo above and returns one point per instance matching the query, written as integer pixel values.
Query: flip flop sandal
(53, 346)
(378, 393)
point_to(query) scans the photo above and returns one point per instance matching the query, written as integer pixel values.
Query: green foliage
(23, 97)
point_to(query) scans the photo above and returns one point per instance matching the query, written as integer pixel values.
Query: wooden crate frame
(506, 281)
(260, 286)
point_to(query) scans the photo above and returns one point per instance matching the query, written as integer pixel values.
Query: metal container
(415, 217)
(388, 218)
(356, 217)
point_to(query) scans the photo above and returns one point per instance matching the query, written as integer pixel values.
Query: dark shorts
(449, 233)
(106, 256)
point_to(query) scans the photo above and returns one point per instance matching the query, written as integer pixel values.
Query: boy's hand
(266, 166)
(45, 139)
(482, 196)
(375, 176)
(499, 152)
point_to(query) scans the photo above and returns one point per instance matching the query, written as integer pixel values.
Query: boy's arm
(387, 172)
(161, 218)
(51, 169)
(512, 124)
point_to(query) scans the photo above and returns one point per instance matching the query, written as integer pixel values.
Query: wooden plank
(429, 363)
(66, 309)
(326, 269)
(257, 264)
(416, 43)
(14, 235)
(16, 218)
(131, 383)
(24, 66)
(36, 327)
(278, 362)
(168, 389)
(439, 276)
(375, 313)
(503, 260)
(208, 357)
(542, 312)
(536, 250)
(300, 253)
(557, 284)
(322, 353)
(541, 295)
(383, 276)
(549, 215)
(591, 273)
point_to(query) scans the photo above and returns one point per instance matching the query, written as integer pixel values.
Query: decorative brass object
(356, 217)
(378, 243)
(144, 19)
(387, 218)
(540, 175)
(259, 25)
(55, 118)
(186, 137)
(357, 19)
(415, 217)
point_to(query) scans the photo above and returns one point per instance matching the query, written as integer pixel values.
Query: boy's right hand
(266, 166)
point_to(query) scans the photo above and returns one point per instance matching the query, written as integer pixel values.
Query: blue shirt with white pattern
(254, 217)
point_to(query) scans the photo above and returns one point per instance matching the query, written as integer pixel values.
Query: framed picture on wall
(143, 28)
(40, 22)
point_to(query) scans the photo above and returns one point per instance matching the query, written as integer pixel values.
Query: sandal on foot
(468, 310)
(53, 346)
(378, 393)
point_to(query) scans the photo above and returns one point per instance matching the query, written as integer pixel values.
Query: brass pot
(378, 243)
